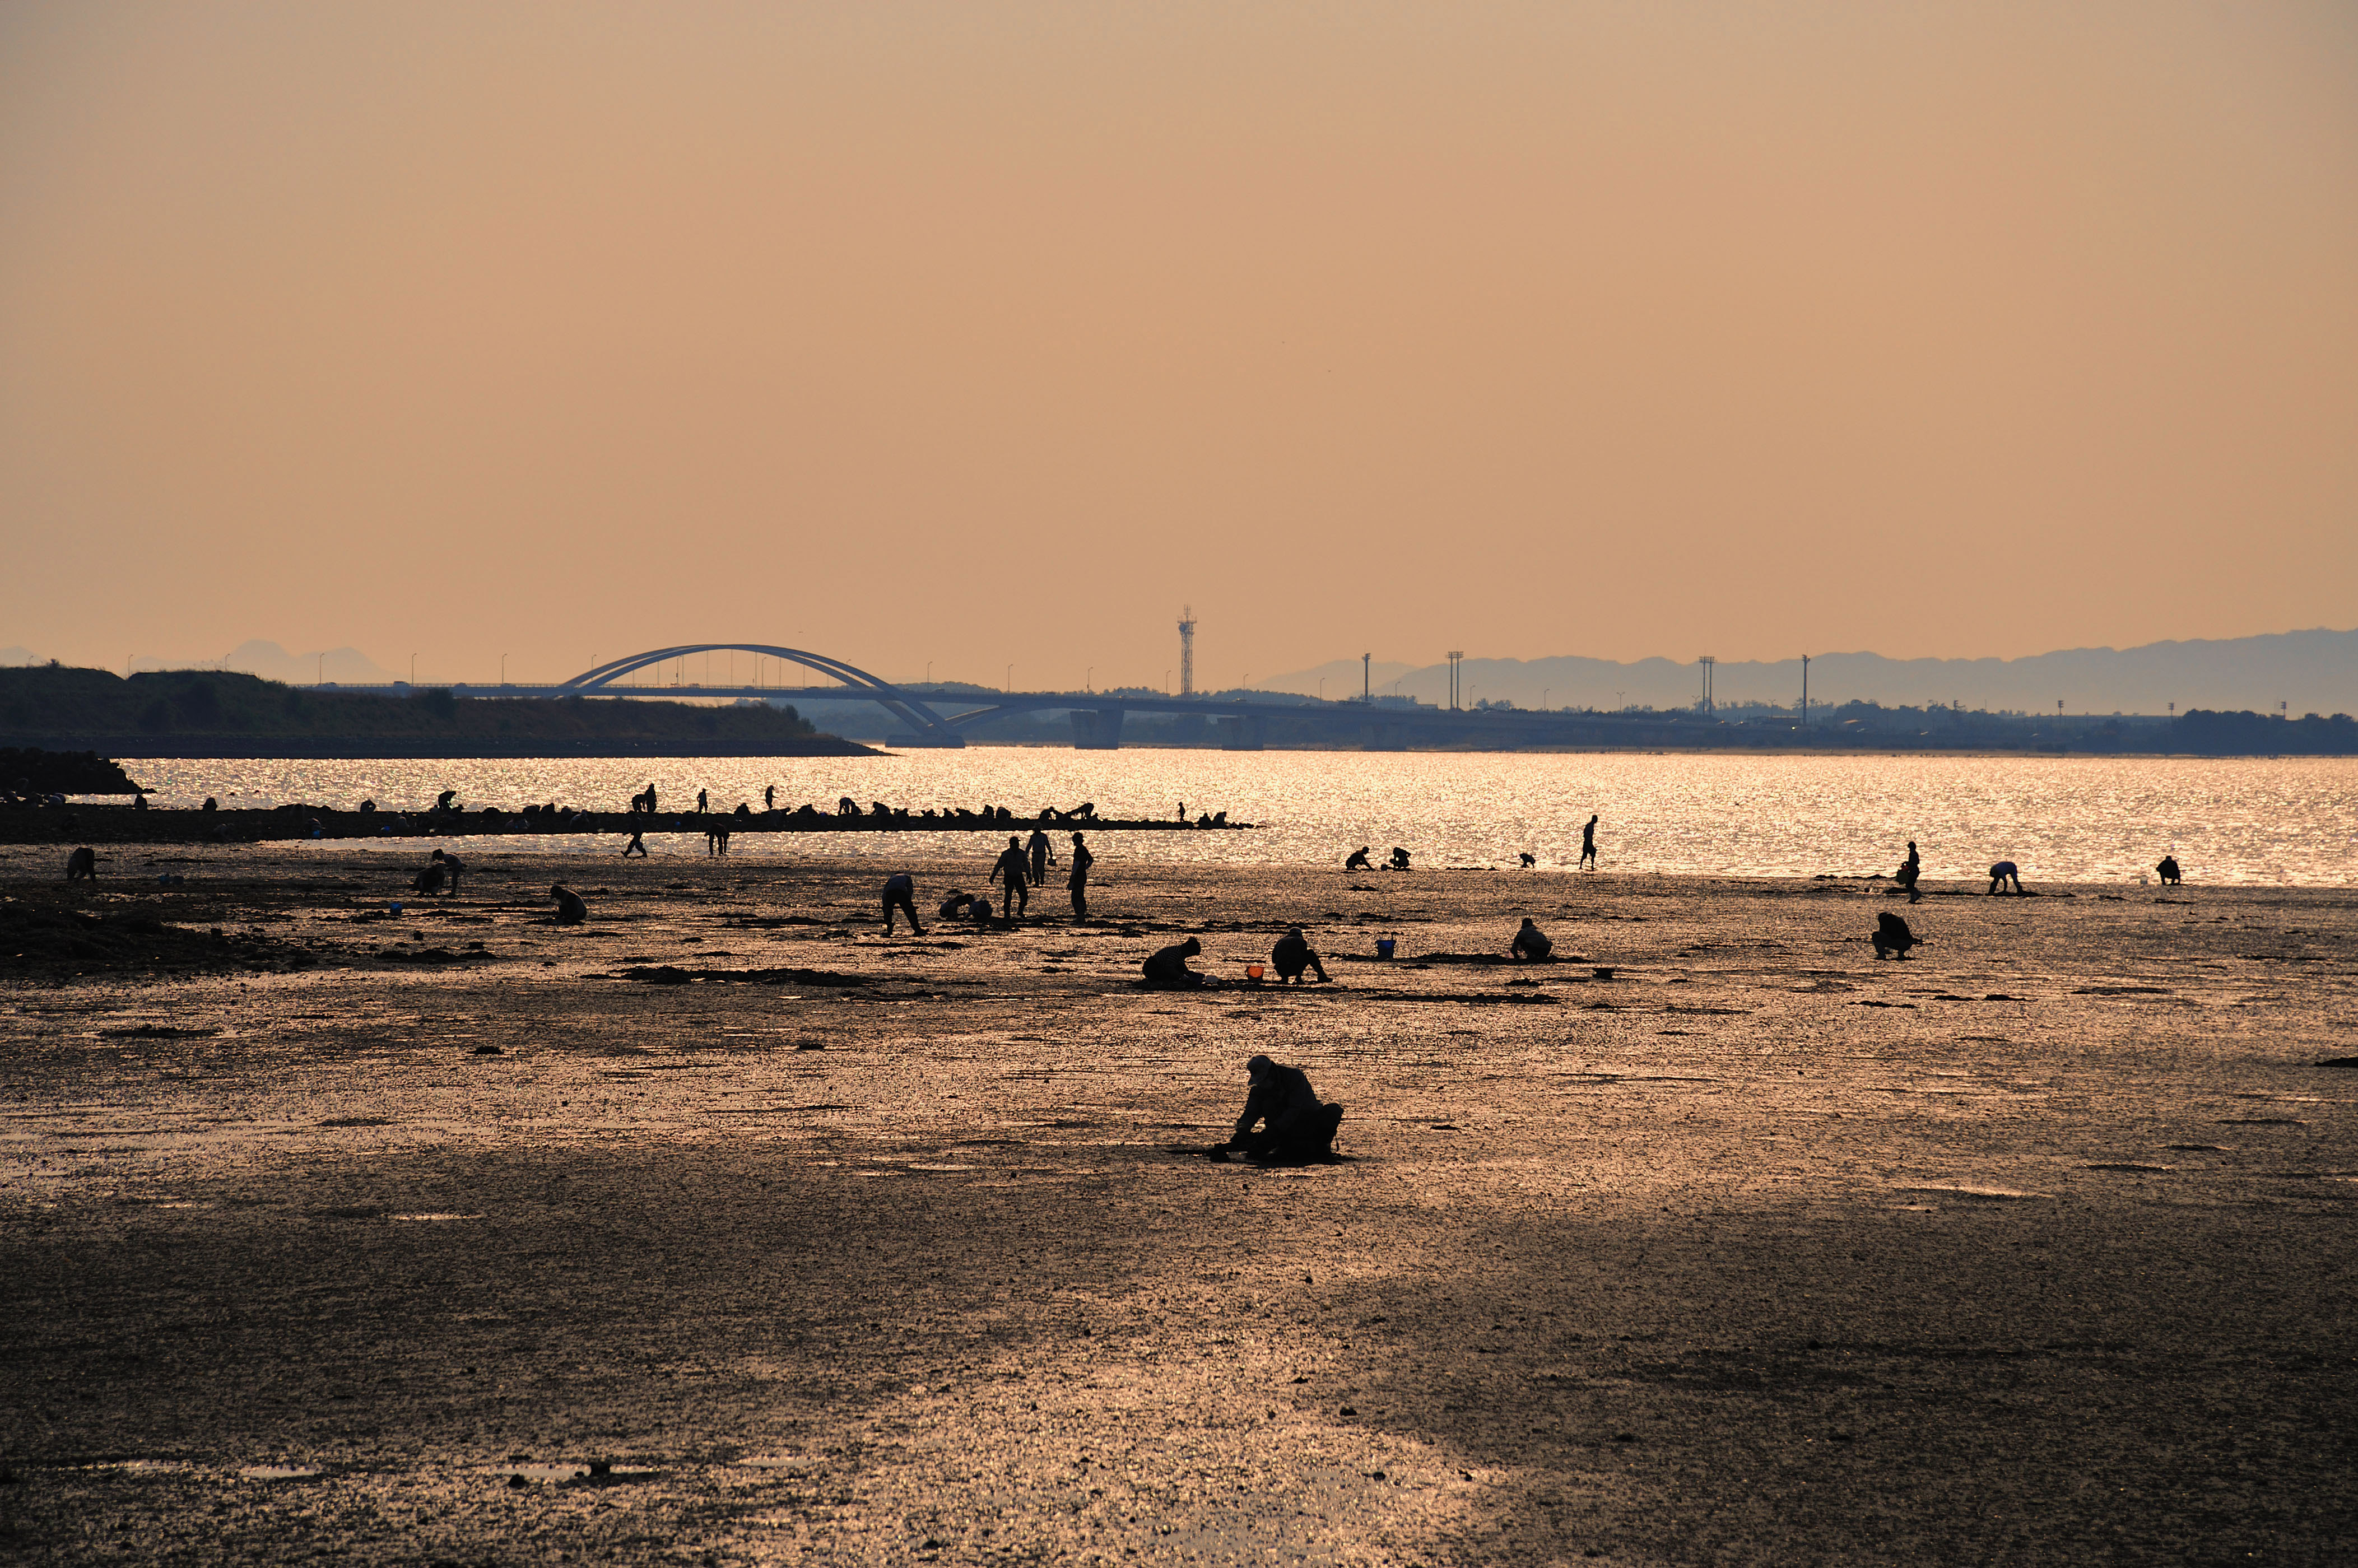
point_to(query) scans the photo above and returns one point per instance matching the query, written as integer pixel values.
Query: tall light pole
(1009, 684)
(1455, 659)
(1545, 692)
(1088, 681)
(320, 678)
(504, 669)
(929, 672)
(1322, 688)
(1805, 691)
(413, 672)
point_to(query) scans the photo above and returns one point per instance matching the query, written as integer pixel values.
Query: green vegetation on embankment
(223, 713)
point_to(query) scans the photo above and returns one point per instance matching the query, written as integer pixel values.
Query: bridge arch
(926, 725)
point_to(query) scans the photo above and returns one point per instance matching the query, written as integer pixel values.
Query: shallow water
(2281, 821)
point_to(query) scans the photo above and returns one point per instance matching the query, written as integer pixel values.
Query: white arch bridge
(932, 718)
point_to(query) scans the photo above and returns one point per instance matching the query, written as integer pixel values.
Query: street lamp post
(504, 669)
(413, 671)
(1009, 684)
(1089, 681)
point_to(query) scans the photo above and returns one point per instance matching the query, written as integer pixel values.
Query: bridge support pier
(1250, 733)
(1096, 730)
(1379, 736)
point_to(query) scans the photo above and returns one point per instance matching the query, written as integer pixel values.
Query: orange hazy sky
(986, 334)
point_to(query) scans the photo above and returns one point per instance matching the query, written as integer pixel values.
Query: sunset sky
(981, 334)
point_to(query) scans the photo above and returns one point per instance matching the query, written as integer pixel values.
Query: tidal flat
(726, 1229)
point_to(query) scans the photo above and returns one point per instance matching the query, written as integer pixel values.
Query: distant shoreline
(283, 748)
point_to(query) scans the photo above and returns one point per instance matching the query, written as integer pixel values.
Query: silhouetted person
(1166, 968)
(702, 801)
(1357, 860)
(2003, 873)
(743, 809)
(427, 881)
(957, 903)
(1293, 955)
(442, 802)
(1295, 1125)
(1012, 876)
(901, 893)
(1892, 938)
(1183, 811)
(651, 797)
(452, 867)
(637, 846)
(2171, 876)
(1530, 860)
(1400, 859)
(979, 910)
(716, 839)
(1532, 944)
(1077, 879)
(1588, 844)
(846, 807)
(210, 803)
(1909, 869)
(570, 909)
(1042, 853)
(769, 798)
(82, 865)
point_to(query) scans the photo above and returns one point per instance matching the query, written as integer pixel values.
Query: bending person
(570, 909)
(1166, 968)
(2006, 871)
(901, 893)
(1293, 955)
(1532, 944)
(1295, 1125)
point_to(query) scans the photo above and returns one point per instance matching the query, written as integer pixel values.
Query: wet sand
(2036, 1248)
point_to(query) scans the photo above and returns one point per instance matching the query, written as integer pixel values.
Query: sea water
(2267, 821)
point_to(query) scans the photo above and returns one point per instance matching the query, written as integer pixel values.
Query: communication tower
(1186, 650)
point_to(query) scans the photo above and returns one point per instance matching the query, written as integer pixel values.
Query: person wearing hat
(1293, 955)
(1295, 1125)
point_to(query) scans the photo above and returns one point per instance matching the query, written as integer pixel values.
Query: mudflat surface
(339, 1236)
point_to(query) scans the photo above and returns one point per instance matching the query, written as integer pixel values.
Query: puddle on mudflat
(434, 1217)
(277, 1472)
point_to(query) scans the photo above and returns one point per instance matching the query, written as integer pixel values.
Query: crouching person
(1892, 938)
(1293, 1125)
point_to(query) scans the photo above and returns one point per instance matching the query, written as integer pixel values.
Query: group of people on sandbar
(1021, 867)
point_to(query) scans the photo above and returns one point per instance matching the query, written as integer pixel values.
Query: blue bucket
(1384, 946)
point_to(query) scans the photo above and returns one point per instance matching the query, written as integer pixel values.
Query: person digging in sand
(901, 893)
(2170, 875)
(1532, 944)
(1295, 1125)
(1358, 861)
(1892, 938)
(1166, 968)
(570, 909)
(82, 866)
(1293, 955)
(2006, 871)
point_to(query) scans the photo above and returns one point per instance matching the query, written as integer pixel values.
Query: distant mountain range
(2308, 671)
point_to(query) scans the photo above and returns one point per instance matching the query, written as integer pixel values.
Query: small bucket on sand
(1384, 946)
(1253, 971)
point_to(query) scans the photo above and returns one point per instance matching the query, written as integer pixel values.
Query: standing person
(1015, 891)
(1588, 844)
(769, 798)
(1909, 871)
(901, 893)
(702, 803)
(1043, 856)
(1077, 879)
(651, 797)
